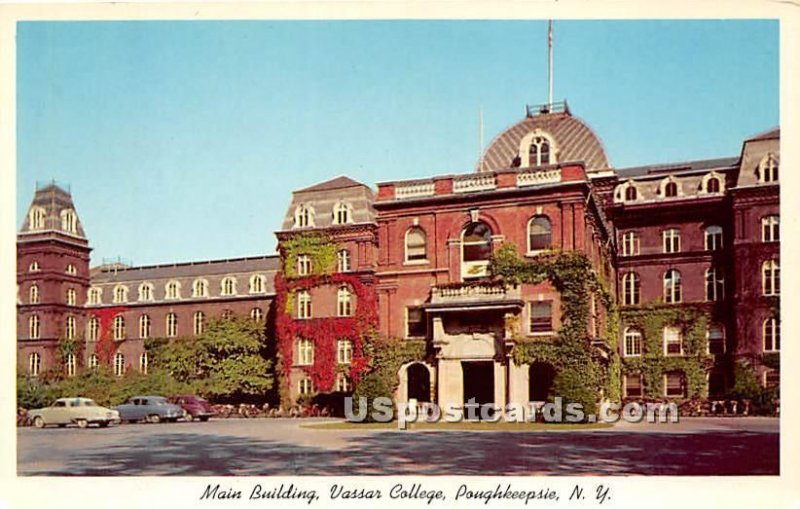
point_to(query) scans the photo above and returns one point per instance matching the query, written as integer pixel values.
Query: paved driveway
(714, 446)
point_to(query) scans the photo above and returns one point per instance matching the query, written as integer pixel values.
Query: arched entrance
(419, 382)
(540, 381)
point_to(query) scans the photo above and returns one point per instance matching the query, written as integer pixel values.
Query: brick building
(696, 239)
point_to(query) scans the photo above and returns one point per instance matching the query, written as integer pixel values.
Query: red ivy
(105, 346)
(325, 332)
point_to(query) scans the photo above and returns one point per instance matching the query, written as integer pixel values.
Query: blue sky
(183, 140)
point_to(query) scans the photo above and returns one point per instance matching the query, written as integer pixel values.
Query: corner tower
(52, 280)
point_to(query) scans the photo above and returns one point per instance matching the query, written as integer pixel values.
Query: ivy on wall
(580, 371)
(106, 345)
(324, 332)
(650, 320)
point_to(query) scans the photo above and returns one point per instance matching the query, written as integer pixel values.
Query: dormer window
(257, 283)
(768, 169)
(173, 290)
(120, 294)
(540, 152)
(671, 190)
(228, 286)
(145, 292)
(94, 295)
(630, 193)
(712, 186)
(37, 218)
(304, 217)
(34, 266)
(342, 213)
(69, 221)
(712, 183)
(200, 288)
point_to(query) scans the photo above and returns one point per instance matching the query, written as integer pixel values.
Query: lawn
(457, 426)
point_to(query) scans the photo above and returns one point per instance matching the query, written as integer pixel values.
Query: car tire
(38, 422)
(103, 424)
(82, 423)
(154, 419)
(204, 419)
(188, 417)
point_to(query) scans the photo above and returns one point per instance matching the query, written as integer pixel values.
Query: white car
(79, 411)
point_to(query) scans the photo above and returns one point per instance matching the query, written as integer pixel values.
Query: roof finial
(550, 62)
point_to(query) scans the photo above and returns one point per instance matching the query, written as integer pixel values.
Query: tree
(226, 362)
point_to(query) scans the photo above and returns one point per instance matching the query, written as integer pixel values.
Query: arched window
(539, 234)
(771, 277)
(303, 217)
(69, 327)
(713, 238)
(770, 228)
(630, 289)
(416, 244)
(257, 283)
(305, 352)
(93, 361)
(712, 185)
(37, 218)
(119, 364)
(34, 266)
(228, 286)
(540, 152)
(342, 213)
(69, 364)
(144, 326)
(69, 221)
(145, 292)
(715, 284)
(72, 297)
(94, 328)
(630, 193)
(669, 188)
(672, 240)
(772, 335)
(144, 361)
(198, 322)
(173, 290)
(34, 364)
(33, 294)
(172, 325)
(200, 288)
(256, 314)
(672, 286)
(303, 265)
(343, 260)
(344, 351)
(630, 244)
(476, 249)
(33, 327)
(119, 327)
(716, 339)
(768, 169)
(71, 269)
(344, 302)
(633, 343)
(120, 294)
(94, 296)
(303, 305)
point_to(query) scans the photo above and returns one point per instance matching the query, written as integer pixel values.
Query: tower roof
(574, 141)
(52, 210)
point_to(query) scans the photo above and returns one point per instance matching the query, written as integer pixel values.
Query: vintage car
(194, 407)
(79, 411)
(149, 409)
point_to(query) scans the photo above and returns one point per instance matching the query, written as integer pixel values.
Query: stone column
(450, 383)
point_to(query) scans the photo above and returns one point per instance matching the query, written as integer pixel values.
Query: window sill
(416, 262)
(541, 334)
(627, 356)
(537, 252)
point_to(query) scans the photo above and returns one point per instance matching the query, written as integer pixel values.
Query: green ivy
(319, 249)
(580, 373)
(653, 364)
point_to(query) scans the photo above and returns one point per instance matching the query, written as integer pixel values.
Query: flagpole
(550, 63)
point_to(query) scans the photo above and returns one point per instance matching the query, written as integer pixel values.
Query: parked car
(149, 409)
(194, 407)
(79, 411)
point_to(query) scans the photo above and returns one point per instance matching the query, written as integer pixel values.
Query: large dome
(572, 139)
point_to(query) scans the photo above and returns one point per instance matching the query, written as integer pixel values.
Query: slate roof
(260, 264)
(53, 199)
(339, 182)
(574, 139)
(773, 133)
(677, 168)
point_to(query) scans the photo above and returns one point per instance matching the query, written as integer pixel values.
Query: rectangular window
(344, 351)
(673, 341)
(674, 386)
(630, 244)
(672, 241)
(415, 323)
(633, 386)
(541, 320)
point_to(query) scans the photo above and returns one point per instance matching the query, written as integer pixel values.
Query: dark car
(195, 407)
(150, 409)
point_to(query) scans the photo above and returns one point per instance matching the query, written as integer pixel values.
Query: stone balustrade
(414, 190)
(473, 183)
(473, 292)
(538, 177)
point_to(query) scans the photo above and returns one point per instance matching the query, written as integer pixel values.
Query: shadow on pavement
(436, 453)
